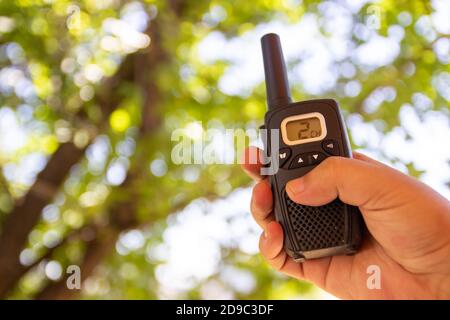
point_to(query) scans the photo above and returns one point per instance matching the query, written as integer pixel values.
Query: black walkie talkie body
(310, 131)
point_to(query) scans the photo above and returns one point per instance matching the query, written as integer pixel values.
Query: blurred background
(91, 91)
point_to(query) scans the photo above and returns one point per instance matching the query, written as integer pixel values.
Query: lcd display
(304, 129)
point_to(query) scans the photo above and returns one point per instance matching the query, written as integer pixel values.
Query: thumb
(356, 182)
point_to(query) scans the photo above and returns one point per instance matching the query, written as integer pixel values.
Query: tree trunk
(27, 211)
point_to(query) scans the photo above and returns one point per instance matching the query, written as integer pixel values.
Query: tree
(119, 77)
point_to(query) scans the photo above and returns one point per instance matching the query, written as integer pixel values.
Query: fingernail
(295, 186)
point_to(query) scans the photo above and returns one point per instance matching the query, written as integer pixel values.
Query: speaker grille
(317, 227)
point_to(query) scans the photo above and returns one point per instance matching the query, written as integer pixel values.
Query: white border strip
(299, 117)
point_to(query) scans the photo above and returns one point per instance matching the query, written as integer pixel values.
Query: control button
(299, 161)
(331, 147)
(283, 156)
(315, 158)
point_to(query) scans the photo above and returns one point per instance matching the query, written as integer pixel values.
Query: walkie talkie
(311, 131)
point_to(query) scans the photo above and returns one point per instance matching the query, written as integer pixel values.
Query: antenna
(277, 85)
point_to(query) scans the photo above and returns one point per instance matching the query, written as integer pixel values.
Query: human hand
(408, 222)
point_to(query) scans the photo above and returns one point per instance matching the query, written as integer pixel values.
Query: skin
(408, 230)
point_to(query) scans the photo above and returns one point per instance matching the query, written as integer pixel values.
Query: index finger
(252, 162)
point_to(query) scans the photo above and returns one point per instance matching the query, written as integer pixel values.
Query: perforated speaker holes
(317, 227)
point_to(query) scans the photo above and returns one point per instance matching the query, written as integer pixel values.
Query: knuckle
(276, 264)
(254, 206)
(256, 190)
(279, 261)
(261, 247)
(332, 166)
(257, 214)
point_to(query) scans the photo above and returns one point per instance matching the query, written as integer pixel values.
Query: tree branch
(122, 214)
(77, 234)
(101, 247)
(26, 213)
(96, 251)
